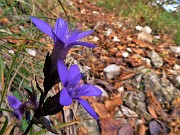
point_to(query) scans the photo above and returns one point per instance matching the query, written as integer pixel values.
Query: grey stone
(156, 59)
(112, 70)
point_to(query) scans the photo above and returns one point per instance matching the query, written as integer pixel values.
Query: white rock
(95, 39)
(156, 59)
(95, 12)
(156, 37)
(125, 54)
(176, 67)
(129, 49)
(108, 31)
(112, 70)
(147, 29)
(120, 89)
(31, 52)
(175, 49)
(11, 51)
(139, 28)
(83, 11)
(115, 39)
(145, 36)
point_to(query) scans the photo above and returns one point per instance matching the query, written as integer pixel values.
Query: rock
(176, 67)
(136, 102)
(145, 33)
(112, 70)
(152, 82)
(175, 49)
(139, 28)
(116, 39)
(136, 82)
(176, 81)
(108, 31)
(156, 59)
(90, 125)
(128, 112)
(168, 90)
(120, 89)
(31, 52)
(129, 49)
(83, 11)
(125, 54)
(147, 29)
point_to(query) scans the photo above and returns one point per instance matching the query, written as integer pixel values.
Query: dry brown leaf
(82, 131)
(101, 110)
(152, 111)
(143, 44)
(110, 126)
(142, 129)
(127, 76)
(176, 102)
(126, 129)
(111, 104)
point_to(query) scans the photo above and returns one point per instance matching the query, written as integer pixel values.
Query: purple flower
(74, 89)
(18, 106)
(64, 38)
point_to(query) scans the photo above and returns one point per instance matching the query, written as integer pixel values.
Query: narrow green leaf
(4, 126)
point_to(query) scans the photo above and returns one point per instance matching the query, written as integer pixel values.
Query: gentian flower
(74, 88)
(19, 107)
(64, 38)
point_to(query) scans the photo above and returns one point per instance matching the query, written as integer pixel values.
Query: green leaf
(4, 126)
(16, 94)
(24, 124)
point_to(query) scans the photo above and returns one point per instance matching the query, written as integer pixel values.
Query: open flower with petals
(19, 107)
(74, 89)
(64, 38)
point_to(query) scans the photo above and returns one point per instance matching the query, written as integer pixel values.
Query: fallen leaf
(152, 111)
(101, 110)
(111, 104)
(126, 129)
(142, 129)
(110, 126)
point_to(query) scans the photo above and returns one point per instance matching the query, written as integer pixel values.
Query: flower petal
(14, 102)
(83, 34)
(63, 72)
(90, 45)
(42, 25)
(18, 115)
(72, 84)
(73, 36)
(73, 71)
(88, 108)
(61, 29)
(88, 90)
(65, 99)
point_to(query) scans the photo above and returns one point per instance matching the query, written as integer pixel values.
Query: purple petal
(61, 29)
(73, 71)
(73, 36)
(88, 90)
(63, 72)
(90, 45)
(65, 99)
(14, 102)
(72, 84)
(18, 115)
(42, 25)
(88, 108)
(83, 34)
